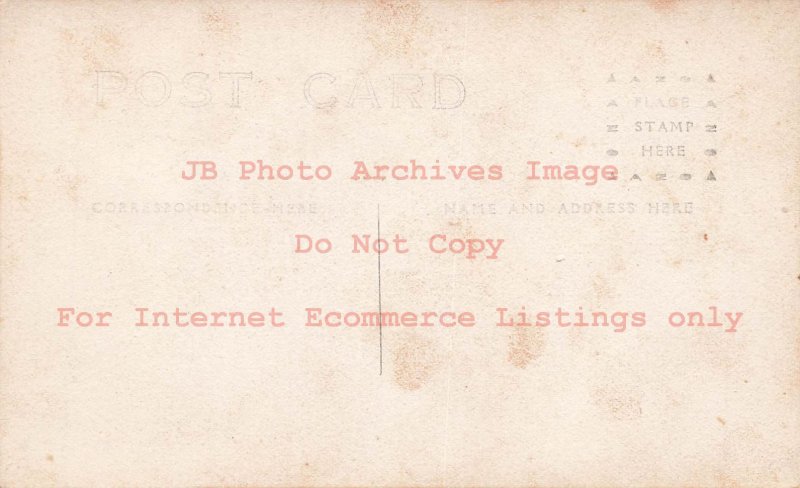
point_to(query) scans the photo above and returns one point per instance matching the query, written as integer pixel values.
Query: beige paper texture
(626, 172)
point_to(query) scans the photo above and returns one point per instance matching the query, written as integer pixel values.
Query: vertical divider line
(380, 304)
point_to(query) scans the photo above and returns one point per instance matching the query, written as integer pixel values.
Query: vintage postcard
(399, 243)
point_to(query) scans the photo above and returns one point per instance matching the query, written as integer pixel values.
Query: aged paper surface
(399, 243)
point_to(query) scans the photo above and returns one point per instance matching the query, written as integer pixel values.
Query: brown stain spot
(50, 457)
(721, 420)
(525, 345)
(68, 36)
(72, 189)
(725, 481)
(415, 361)
(72, 185)
(10, 184)
(441, 132)
(624, 408)
(215, 20)
(110, 39)
(664, 6)
(98, 51)
(705, 237)
(579, 142)
(602, 289)
(391, 25)
(655, 50)
(619, 404)
(495, 119)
